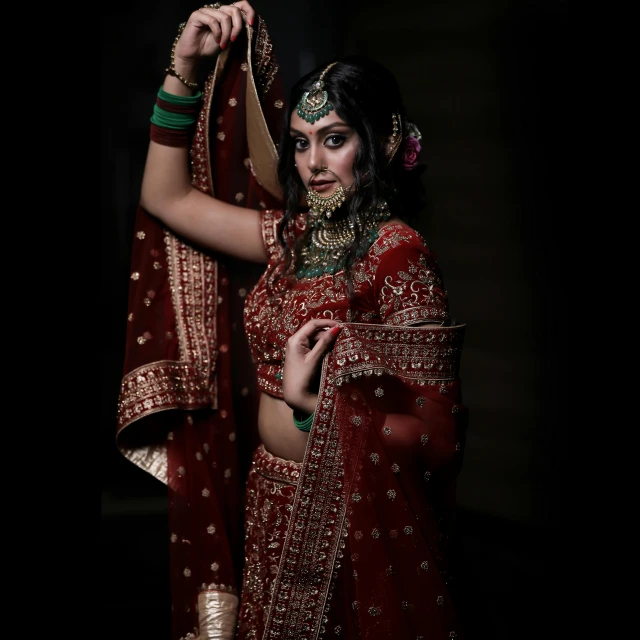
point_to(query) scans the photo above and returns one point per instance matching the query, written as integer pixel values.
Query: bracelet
(173, 116)
(171, 69)
(170, 137)
(171, 120)
(180, 101)
(305, 424)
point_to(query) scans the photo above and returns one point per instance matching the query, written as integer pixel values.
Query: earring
(396, 136)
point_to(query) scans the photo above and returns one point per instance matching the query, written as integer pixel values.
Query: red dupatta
(374, 508)
(187, 408)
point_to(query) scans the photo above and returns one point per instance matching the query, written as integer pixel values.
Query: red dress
(353, 541)
(355, 545)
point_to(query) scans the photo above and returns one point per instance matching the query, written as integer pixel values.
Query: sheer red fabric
(181, 400)
(374, 508)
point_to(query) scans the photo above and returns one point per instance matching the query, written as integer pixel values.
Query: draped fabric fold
(185, 414)
(366, 548)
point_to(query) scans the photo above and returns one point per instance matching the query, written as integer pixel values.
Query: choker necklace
(330, 240)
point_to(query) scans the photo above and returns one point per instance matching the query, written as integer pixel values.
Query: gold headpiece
(315, 104)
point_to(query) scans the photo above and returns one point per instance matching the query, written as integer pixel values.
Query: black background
(486, 84)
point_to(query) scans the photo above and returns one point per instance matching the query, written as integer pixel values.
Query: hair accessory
(411, 147)
(315, 104)
(171, 69)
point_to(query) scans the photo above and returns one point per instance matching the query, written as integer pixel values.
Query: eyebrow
(322, 129)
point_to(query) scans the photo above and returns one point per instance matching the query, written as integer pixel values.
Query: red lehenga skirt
(271, 488)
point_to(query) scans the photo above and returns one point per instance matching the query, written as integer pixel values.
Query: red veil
(365, 553)
(187, 409)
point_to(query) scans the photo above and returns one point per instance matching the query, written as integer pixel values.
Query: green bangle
(163, 118)
(303, 425)
(179, 100)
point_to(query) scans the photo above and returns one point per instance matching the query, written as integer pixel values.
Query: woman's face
(324, 152)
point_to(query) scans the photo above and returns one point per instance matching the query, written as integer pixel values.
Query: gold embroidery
(266, 67)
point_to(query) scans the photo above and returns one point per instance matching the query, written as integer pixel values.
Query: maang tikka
(315, 104)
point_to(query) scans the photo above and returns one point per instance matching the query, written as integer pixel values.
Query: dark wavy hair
(364, 94)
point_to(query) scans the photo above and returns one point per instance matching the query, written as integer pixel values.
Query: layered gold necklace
(331, 239)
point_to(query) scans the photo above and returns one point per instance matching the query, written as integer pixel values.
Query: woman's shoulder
(394, 234)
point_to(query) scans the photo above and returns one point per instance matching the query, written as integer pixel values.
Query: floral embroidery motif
(276, 308)
(418, 290)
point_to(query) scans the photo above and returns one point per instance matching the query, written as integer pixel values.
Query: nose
(315, 158)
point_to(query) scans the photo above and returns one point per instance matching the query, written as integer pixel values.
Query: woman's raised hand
(304, 353)
(209, 30)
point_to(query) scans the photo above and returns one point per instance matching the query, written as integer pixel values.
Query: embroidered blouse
(397, 282)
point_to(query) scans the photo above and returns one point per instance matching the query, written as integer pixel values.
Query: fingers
(321, 331)
(236, 20)
(220, 24)
(247, 9)
(308, 331)
(324, 343)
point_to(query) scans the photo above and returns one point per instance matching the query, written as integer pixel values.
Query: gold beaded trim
(171, 69)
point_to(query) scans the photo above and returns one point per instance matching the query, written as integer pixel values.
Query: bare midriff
(278, 433)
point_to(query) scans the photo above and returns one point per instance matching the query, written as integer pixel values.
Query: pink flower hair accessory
(411, 147)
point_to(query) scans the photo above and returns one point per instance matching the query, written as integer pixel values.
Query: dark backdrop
(485, 82)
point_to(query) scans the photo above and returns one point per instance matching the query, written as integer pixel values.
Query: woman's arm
(167, 192)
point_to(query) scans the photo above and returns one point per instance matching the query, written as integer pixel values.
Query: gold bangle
(171, 69)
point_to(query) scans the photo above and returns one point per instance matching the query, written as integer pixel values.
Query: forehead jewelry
(315, 104)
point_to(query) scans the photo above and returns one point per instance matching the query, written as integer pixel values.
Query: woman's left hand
(304, 352)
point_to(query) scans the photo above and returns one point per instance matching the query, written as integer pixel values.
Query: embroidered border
(269, 220)
(315, 535)
(420, 353)
(416, 314)
(265, 64)
(160, 386)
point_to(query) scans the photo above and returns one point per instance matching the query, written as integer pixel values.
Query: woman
(348, 485)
